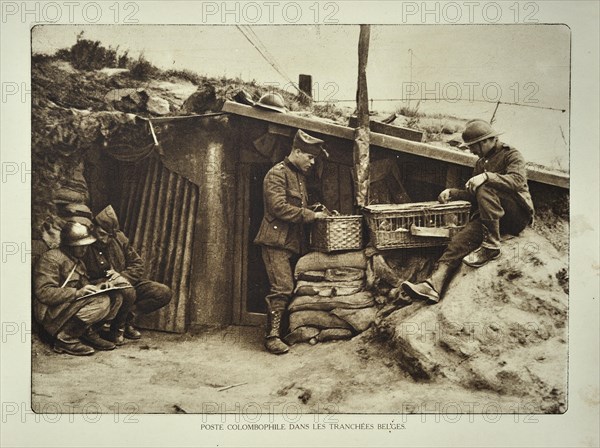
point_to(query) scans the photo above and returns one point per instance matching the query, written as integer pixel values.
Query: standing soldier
(499, 189)
(281, 233)
(59, 282)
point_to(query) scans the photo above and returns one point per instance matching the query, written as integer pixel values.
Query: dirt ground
(170, 373)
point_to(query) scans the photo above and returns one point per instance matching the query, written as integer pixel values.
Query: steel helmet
(272, 101)
(476, 131)
(76, 234)
(81, 220)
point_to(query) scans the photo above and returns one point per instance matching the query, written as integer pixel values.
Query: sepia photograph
(388, 212)
(300, 223)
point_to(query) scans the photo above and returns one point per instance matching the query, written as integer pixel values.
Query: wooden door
(251, 283)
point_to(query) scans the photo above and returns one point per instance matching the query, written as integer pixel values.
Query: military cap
(309, 144)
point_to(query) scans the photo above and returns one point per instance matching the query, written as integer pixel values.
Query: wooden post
(494, 114)
(305, 84)
(361, 133)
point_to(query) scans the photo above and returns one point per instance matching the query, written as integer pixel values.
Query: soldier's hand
(475, 182)
(87, 289)
(112, 274)
(320, 215)
(444, 196)
(119, 281)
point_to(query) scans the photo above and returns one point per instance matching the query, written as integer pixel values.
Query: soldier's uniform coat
(507, 172)
(53, 304)
(285, 201)
(504, 197)
(281, 231)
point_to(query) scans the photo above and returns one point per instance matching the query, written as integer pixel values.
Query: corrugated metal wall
(158, 209)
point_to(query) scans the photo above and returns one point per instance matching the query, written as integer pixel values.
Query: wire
(267, 52)
(449, 100)
(250, 39)
(251, 36)
(260, 47)
(414, 55)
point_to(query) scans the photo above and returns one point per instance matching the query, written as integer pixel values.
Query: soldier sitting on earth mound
(499, 191)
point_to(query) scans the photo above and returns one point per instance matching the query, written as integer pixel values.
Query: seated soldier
(500, 192)
(113, 257)
(60, 284)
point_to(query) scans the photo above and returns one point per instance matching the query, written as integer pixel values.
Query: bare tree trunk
(361, 134)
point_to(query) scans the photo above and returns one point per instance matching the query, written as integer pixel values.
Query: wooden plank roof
(534, 173)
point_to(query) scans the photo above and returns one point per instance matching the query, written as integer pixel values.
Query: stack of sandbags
(74, 188)
(330, 301)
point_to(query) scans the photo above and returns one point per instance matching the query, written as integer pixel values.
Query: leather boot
(116, 334)
(273, 342)
(490, 247)
(431, 288)
(130, 331)
(91, 337)
(67, 339)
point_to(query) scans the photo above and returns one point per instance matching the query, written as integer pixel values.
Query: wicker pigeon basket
(337, 232)
(418, 224)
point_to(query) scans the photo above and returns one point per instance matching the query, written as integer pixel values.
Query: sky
(526, 64)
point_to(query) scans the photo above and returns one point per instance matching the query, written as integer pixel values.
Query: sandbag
(344, 274)
(359, 319)
(306, 290)
(319, 261)
(317, 319)
(76, 181)
(353, 301)
(340, 291)
(67, 195)
(382, 270)
(328, 289)
(333, 334)
(302, 334)
(312, 276)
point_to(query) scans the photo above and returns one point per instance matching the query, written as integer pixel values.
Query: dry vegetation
(87, 55)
